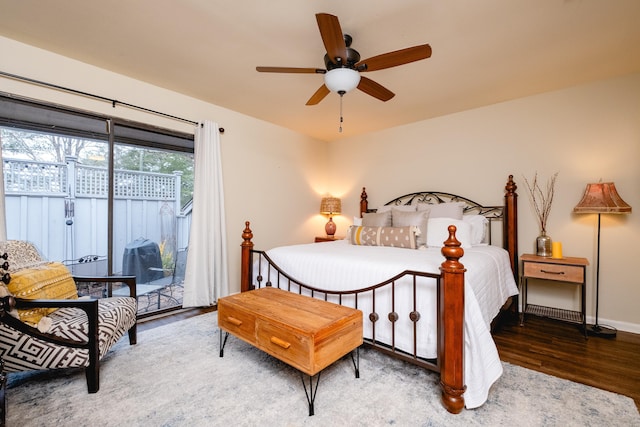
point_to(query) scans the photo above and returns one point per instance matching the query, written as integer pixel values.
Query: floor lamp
(601, 198)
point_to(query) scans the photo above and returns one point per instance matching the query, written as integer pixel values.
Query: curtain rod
(113, 102)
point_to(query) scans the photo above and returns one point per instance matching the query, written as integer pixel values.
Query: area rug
(175, 377)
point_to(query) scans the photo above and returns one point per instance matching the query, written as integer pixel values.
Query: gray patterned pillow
(398, 237)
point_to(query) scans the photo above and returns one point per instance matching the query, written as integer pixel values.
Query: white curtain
(206, 276)
(3, 220)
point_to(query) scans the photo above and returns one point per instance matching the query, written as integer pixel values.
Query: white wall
(585, 133)
(272, 176)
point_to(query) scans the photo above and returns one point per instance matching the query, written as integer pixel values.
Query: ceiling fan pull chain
(341, 119)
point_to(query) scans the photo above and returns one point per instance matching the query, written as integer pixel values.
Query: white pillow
(438, 232)
(443, 210)
(357, 220)
(478, 228)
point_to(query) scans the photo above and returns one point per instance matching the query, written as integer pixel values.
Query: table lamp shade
(330, 206)
(600, 198)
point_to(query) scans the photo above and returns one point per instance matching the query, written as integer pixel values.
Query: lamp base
(602, 331)
(330, 228)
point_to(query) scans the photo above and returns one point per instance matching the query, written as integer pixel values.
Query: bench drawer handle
(281, 343)
(234, 321)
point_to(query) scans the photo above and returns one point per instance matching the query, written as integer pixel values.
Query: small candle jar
(556, 250)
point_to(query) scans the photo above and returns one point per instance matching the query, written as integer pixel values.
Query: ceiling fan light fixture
(341, 80)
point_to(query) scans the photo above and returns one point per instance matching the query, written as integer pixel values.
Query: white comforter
(488, 283)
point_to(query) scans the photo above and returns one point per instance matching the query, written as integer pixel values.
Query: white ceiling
(484, 52)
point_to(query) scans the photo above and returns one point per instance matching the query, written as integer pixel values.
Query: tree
(48, 147)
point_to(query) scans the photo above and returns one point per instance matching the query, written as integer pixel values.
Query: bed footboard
(451, 321)
(450, 316)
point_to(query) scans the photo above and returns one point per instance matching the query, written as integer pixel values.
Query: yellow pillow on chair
(49, 281)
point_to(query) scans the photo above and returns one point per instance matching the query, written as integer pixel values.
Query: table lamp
(330, 206)
(601, 198)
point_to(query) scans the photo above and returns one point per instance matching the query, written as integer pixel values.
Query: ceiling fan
(343, 64)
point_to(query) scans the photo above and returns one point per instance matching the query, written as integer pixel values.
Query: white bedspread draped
(341, 266)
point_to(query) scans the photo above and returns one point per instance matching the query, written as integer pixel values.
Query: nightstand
(561, 270)
(328, 238)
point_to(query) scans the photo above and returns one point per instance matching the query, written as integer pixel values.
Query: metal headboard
(492, 213)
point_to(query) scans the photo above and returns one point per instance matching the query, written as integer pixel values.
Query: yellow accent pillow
(49, 281)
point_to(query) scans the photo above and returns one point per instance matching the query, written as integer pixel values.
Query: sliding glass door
(151, 215)
(101, 195)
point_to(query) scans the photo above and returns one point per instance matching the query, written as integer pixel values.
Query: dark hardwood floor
(172, 316)
(560, 349)
(544, 345)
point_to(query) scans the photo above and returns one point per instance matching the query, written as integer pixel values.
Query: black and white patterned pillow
(21, 254)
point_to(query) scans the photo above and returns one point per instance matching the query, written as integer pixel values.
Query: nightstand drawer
(563, 273)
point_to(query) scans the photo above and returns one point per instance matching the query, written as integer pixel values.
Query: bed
(430, 302)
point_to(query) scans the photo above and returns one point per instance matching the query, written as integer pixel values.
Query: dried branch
(542, 200)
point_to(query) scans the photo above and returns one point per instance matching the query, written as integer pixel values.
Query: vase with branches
(541, 201)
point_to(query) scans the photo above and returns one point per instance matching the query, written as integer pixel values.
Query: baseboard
(633, 328)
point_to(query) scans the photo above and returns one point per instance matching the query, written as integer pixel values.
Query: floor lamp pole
(597, 329)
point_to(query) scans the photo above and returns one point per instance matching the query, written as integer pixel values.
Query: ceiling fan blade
(393, 59)
(290, 70)
(319, 95)
(374, 89)
(332, 37)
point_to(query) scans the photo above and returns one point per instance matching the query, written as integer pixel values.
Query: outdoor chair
(46, 325)
(174, 278)
(159, 289)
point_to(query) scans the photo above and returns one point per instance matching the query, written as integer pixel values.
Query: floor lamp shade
(330, 206)
(601, 198)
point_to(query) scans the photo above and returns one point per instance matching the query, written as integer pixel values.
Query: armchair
(45, 324)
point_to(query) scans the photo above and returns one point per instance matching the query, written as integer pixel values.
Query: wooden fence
(63, 209)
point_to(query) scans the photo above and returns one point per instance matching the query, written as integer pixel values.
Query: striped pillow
(398, 237)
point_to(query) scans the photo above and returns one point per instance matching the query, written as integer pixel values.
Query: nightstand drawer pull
(234, 321)
(551, 272)
(282, 343)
